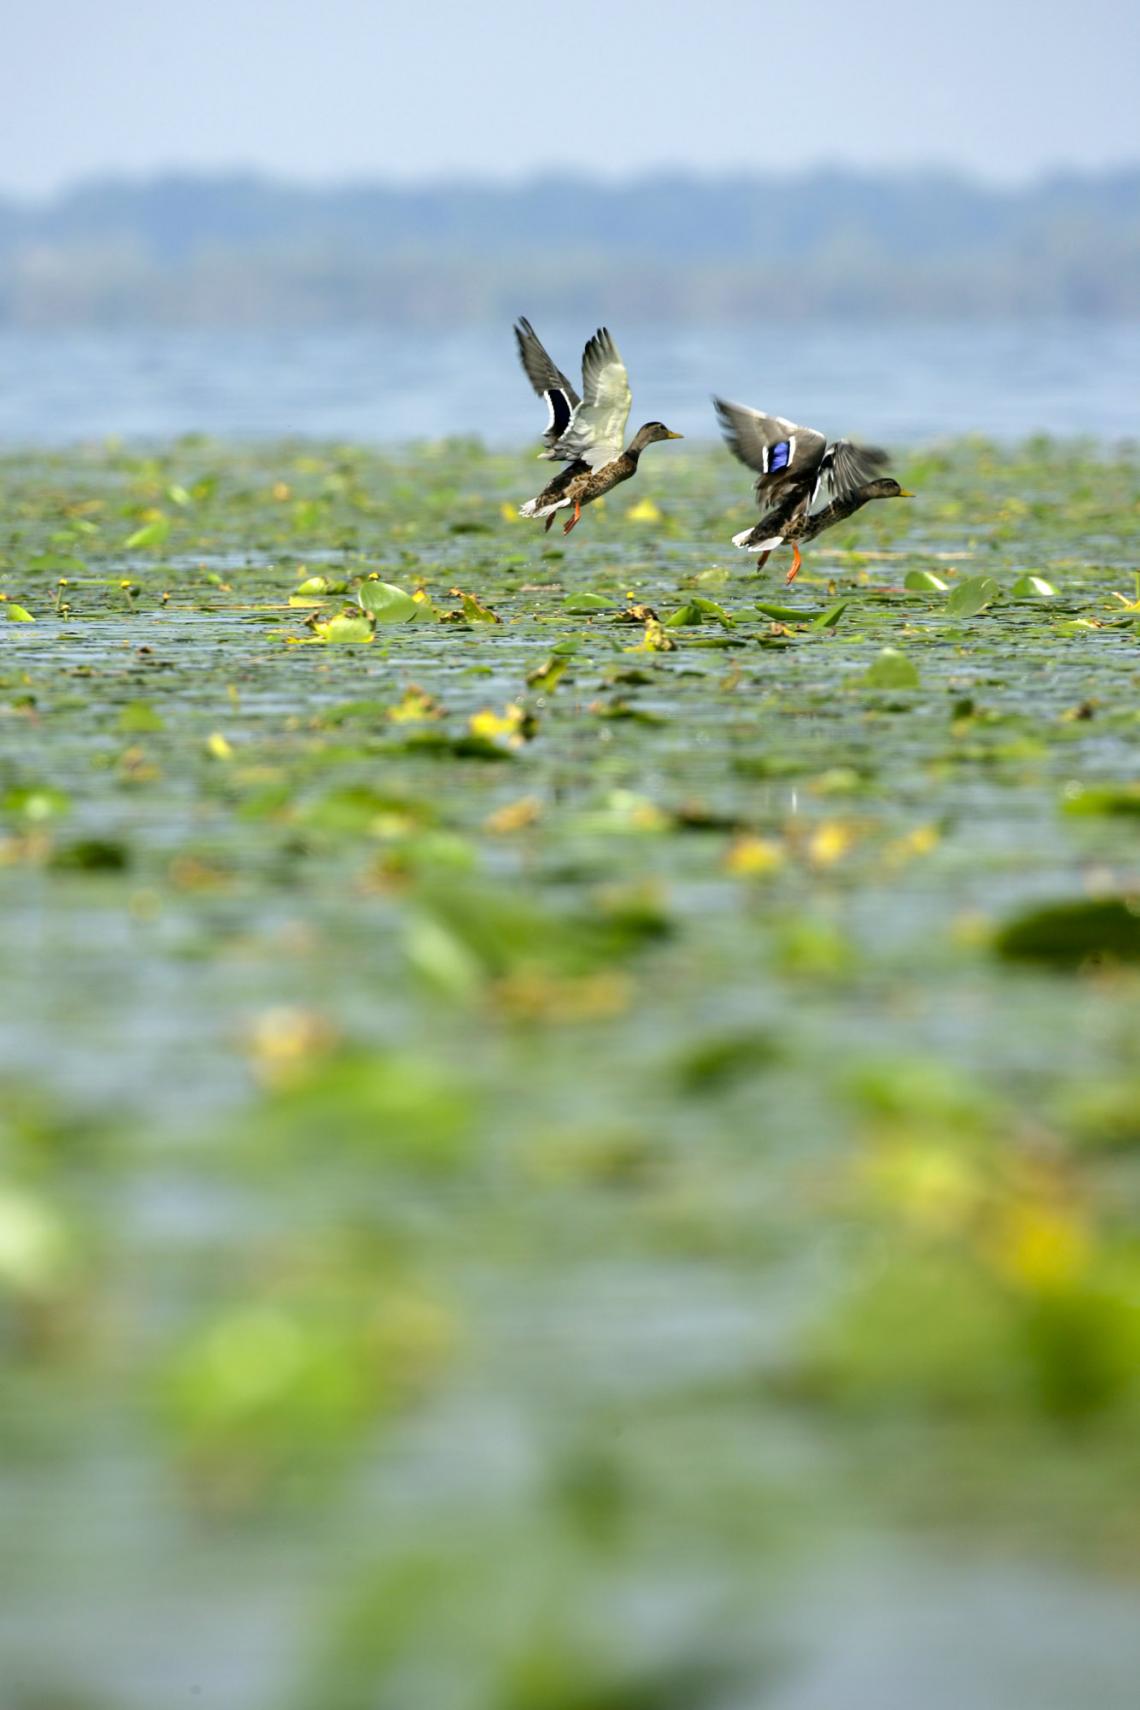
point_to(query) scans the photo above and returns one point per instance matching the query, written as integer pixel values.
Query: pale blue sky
(326, 89)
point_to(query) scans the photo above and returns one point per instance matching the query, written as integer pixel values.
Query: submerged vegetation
(550, 1088)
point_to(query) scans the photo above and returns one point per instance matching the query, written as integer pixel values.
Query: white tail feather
(744, 538)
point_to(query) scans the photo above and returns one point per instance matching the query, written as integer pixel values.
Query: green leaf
(139, 719)
(387, 603)
(697, 610)
(475, 611)
(545, 677)
(17, 614)
(150, 534)
(785, 614)
(1034, 588)
(1067, 934)
(344, 628)
(892, 670)
(972, 596)
(924, 582)
(829, 618)
(36, 802)
(1110, 799)
(92, 855)
(60, 563)
(581, 603)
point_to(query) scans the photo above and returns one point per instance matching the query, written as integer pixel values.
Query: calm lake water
(903, 383)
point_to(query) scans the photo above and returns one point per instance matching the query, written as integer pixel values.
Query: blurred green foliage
(515, 1138)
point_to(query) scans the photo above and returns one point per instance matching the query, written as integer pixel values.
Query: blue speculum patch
(778, 458)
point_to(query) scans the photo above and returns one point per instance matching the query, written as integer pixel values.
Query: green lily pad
(924, 582)
(386, 603)
(1034, 588)
(891, 670)
(972, 596)
(1067, 934)
(582, 603)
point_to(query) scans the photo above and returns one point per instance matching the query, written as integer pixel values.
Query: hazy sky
(326, 89)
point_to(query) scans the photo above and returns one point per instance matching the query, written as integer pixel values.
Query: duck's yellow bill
(903, 494)
(672, 435)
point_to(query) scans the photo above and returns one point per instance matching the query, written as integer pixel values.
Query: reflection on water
(902, 383)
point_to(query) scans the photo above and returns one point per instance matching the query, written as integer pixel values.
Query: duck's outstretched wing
(847, 467)
(548, 381)
(596, 432)
(783, 454)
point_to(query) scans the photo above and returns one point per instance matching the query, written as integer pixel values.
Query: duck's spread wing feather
(848, 467)
(596, 432)
(780, 451)
(548, 381)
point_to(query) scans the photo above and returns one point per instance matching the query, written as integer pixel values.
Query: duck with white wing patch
(590, 439)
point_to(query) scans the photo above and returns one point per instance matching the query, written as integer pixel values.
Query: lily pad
(1068, 934)
(972, 596)
(891, 670)
(924, 582)
(386, 603)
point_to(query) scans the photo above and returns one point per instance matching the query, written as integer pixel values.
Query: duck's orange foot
(797, 561)
(575, 519)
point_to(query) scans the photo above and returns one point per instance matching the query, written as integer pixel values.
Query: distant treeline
(239, 250)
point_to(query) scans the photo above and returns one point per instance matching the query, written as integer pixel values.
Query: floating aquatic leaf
(36, 802)
(92, 855)
(891, 670)
(140, 719)
(829, 618)
(1034, 588)
(414, 706)
(345, 627)
(473, 608)
(580, 604)
(152, 534)
(698, 611)
(546, 676)
(924, 582)
(787, 614)
(1067, 934)
(1103, 798)
(654, 640)
(385, 603)
(972, 596)
(644, 511)
(17, 614)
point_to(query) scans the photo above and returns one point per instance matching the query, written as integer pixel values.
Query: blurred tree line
(235, 250)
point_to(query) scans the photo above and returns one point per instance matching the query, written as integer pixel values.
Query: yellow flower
(754, 857)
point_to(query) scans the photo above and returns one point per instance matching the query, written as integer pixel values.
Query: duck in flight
(585, 433)
(792, 464)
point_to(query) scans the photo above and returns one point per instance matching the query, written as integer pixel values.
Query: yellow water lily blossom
(509, 726)
(830, 842)
(754, 857)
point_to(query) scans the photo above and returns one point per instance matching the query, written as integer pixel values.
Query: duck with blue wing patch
(792, 463)
(591, 439)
